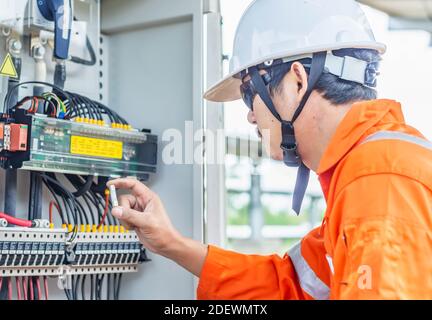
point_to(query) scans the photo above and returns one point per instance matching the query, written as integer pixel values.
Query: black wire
(32, 186)
(68, 296)
(83, 287)
(91, 288)
(72, 290)
(82, 214)
(76, 287)
(108, 293)
(35, 289)
(69, 210)
(91, 51)
(53, 180)
(100, 286)
(85, 106)
(98, 205)
(77, 183)
(86, 199)
(92, 109)
(118, 286)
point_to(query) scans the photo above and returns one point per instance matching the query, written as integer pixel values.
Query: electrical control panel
(81, 109)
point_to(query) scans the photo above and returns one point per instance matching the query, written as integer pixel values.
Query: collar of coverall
(357, 122)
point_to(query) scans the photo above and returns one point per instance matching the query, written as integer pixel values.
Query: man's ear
(301, 77)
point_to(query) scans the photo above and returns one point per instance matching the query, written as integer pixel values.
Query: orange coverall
(375, 241)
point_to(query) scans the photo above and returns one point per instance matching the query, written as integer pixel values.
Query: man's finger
(127, 201)
(137, 188)
(127, 225)
(131, 217)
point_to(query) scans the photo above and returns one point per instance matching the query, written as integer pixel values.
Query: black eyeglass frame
(247, 88)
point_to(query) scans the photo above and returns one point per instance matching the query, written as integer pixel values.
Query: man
(307, 70)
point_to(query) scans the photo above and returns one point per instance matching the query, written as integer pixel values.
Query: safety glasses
(278, 69)
(248, 91)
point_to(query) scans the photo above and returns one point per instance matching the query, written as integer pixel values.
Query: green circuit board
(81, 148)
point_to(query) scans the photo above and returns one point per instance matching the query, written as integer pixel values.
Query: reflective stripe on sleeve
(309, 281)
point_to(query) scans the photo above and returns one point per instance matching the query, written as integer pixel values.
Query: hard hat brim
(228, 89)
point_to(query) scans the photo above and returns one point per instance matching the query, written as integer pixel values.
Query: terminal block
(49, 252)
(31, 252)
(106, 252)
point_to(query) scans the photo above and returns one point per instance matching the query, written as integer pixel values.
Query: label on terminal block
(96, 147)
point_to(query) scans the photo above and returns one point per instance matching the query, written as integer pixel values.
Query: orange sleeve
(385, 241)
(228, 275)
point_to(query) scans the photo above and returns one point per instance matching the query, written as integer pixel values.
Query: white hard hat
(274, 29)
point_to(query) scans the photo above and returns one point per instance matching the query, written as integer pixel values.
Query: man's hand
(142, 210)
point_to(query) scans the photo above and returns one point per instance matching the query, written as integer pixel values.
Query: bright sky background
(406, 71)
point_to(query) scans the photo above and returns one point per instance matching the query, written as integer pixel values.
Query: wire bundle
(63, 104)
(88, 205)
(80, 106)
(26, 288)
(97, 287)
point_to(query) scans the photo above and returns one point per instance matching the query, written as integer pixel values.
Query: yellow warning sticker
(96, 147)
(8, 68)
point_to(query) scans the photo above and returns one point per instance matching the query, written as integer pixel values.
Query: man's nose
(251, 117)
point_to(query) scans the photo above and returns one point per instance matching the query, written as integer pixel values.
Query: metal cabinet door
(160, 55)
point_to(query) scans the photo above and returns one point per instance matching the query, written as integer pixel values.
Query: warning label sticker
(96, 147)
(8, 68)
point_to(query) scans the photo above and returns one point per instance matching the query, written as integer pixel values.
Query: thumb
(129, 216)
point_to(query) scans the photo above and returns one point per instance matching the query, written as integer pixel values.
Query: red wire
(16, 221)
(18, 286)
(35, 105)
(26, 100)
(46, 287)
(31, 289)
(32, 105)
(1, 282)
(51, 204)
(10, 289)
(38, 288)
(24, 285)
(105, 210)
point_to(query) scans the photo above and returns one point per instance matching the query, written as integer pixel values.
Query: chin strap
(289, 145)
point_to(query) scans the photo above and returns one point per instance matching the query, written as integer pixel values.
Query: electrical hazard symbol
(7, 68)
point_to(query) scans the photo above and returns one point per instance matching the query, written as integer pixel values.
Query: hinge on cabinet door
(211, 6)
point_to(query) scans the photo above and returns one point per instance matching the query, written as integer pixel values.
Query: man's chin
(277, 156)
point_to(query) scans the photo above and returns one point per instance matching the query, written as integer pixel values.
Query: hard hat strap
(262, 90)
(316, 70)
